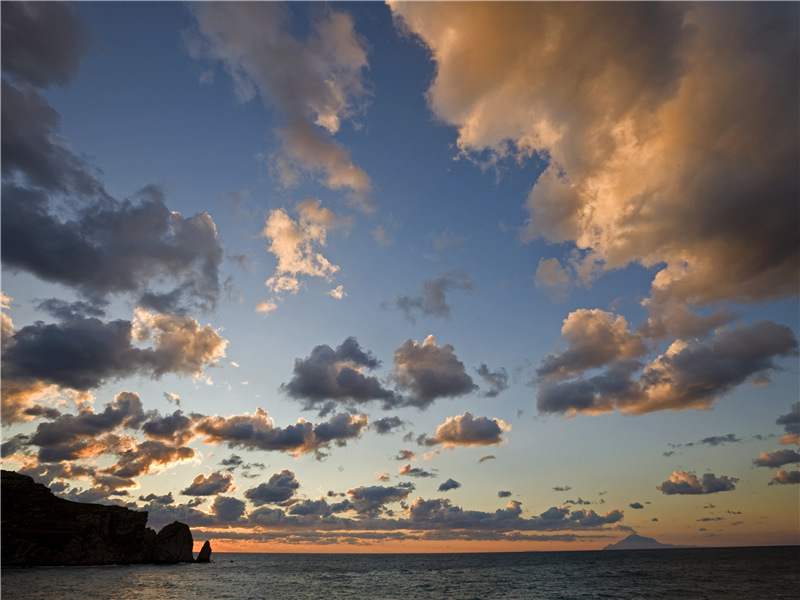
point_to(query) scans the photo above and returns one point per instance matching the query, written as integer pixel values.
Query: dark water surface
(771, 573)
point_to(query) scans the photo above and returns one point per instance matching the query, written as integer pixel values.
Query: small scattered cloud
(786, 477)
(211, 485)
(687, 483)
(486, 457)
(432, 300)
(467, 430)
(777, 458)
(503, 494)
(636, 505)
(791, 425)
(280, 488)
(497, 380)
(450, 484)
(410, 471)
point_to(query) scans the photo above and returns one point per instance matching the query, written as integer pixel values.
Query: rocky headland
(40, 529)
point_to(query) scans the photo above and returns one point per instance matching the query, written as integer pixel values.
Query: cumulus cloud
(689, 375)
(639, 170)
(165, 499)
(687, 483)
(786, 477)
(432, 299)
(280, 488)
(467, 430)
(296, 244)
(429, 372)
(330, 375)
(211, 485)
(450, 484)
(82, 353)
(496, 380)
(177, 427)
(410, 471)
(777, 458)
(791, 424)
(372, 500)
(315, 83)
(228, 508)
(594, 339)
(92, 242)
(387, 424)
(259, 432)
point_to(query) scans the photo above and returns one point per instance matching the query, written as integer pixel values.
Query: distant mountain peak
(638, 542)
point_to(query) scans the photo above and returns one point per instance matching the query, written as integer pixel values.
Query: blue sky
(289, 273)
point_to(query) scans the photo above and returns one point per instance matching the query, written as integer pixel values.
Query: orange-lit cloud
(467, 430)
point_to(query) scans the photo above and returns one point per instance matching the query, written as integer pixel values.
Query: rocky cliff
(40, 529)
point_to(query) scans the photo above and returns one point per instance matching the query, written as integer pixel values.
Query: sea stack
(205, 553)
(173, 544)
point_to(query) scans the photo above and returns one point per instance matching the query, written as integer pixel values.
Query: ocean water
(771, 573)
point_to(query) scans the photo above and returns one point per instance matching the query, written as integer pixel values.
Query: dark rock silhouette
(40, 529)
(173, 544)
(205, 553)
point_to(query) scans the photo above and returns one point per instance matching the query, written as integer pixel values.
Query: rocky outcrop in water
(40, 529)
(205, 553)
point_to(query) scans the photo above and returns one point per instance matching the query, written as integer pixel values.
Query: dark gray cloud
(777, 458)
(690, 376)
(227, 508)
(280, 488)
(450, 484)
(503, 494)
(211, 485)
(372, 500)
(467, 430)
(486, 457)
(714, 440)
(68, 311)
(579, 501)
(636, 505)
(141, 457)
(562, 488)
(82, 353)
(259, 432)
(61, 43)
(687, 483)
(165, 499)
(113, 247)
(791, 424)
(410, 471)
(428, 372)
(496, 380)
(786, 478)
(176, 427)
(329, 375)
(432, 300)
(58, 222)
(387, 424)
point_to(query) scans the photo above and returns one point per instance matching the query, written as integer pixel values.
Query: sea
(769, 573)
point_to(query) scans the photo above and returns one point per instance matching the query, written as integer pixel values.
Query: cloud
(714, 440)
(791, 423)
(690, 375)
(496, 380)
(227, 508)
(414, 472)
(329, 375)
(777, 458)
(83, 353)
(337, 292)
(258, 432)
(166, 499)
(387, 424)
(314, 83)
(280, 488)
(406, 455)
(638, 170)
(503, 494)
(686, 483)
(296, 244)
(382, 236)
(486, 457)
(786, 477)
(466, 430)
(213, 484)
(176, 428)
(62, 43)
(595, 338)
(450, 484)
(429, 372)
(636, 505)
(432, 300)
(372, 500)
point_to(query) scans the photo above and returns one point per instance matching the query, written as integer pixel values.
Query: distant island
(40, 529)
(638, 542)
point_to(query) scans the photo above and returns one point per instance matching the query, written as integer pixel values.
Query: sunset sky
(370, 277)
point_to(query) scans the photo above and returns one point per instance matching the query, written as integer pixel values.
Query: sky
(406, 277)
